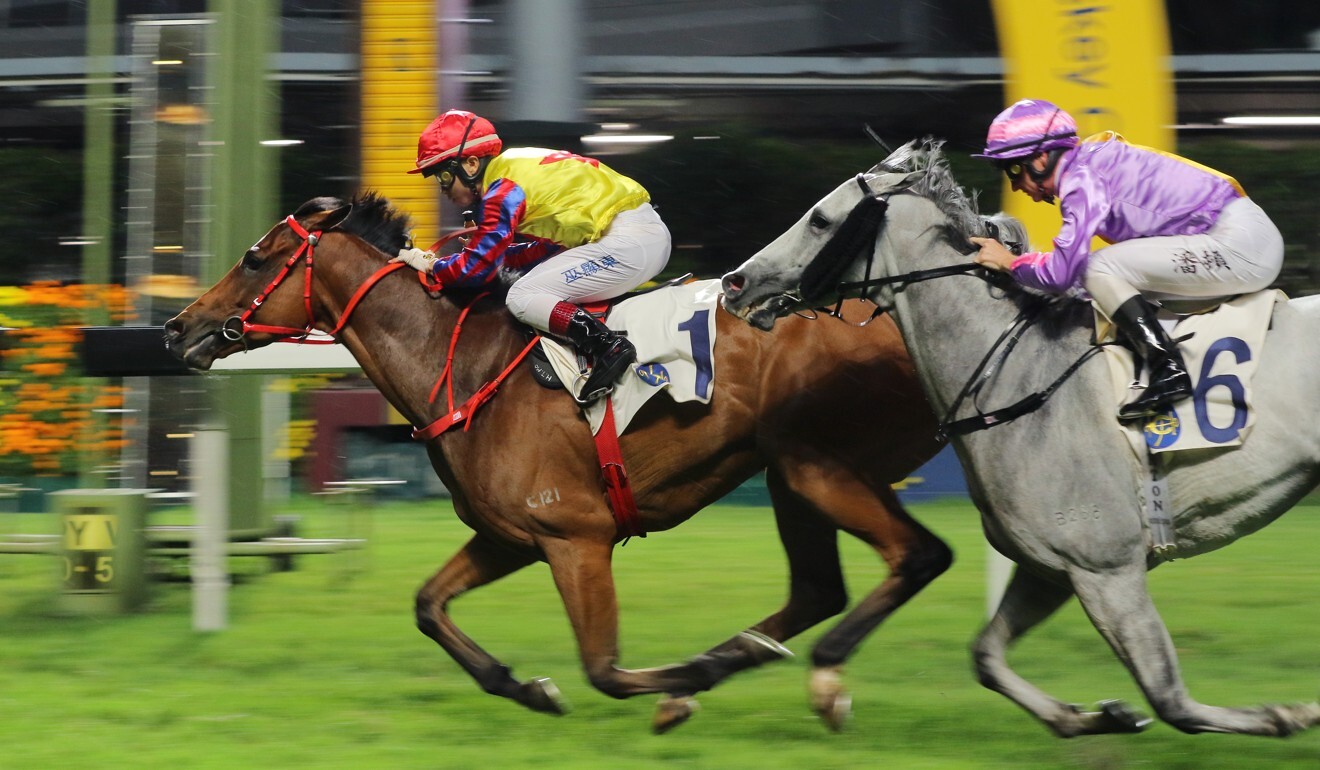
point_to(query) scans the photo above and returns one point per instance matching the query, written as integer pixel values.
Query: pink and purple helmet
(1027, 127)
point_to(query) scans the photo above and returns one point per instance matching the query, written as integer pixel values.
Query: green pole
(98, 181)
(98, 145)
(244, 195)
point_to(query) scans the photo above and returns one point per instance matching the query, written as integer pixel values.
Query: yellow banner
(1106, 63)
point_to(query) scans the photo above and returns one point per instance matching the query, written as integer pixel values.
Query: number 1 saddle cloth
(673, 330)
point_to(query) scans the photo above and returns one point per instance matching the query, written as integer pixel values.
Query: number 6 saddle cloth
(673, 329)
(1221, 348)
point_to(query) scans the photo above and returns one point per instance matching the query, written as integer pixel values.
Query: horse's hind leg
(1027, 602)
(1121, 609)
(477, 563)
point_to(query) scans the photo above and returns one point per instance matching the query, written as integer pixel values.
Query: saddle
(1221, 342)
(673, 331)
(543, 371)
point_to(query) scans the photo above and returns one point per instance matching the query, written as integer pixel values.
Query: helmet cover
(454, 132)
(1027, 127)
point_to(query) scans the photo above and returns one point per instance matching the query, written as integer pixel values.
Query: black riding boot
(1168, 380)
(610, 351)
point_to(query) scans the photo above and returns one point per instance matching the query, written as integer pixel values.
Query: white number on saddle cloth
(1221, 356)
(673, 329)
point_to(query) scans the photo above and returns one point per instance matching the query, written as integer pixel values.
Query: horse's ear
(908, 180)
(335, 218)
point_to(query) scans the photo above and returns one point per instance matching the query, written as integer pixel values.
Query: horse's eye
(818, 222)
(252, 260)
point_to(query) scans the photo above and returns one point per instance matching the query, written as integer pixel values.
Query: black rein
(949, 427)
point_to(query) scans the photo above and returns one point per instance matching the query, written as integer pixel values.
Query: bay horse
(1057, 487)
(524, 473)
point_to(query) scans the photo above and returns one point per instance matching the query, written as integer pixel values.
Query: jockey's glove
(417, 259)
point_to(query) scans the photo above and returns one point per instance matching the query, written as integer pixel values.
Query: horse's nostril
(733, 284)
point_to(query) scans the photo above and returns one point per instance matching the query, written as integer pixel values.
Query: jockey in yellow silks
(575, 229)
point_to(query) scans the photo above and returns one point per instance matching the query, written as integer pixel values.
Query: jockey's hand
(993, 254)
(417, 259)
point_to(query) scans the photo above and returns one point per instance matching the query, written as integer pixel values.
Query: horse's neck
(401, 336)
(950, 323)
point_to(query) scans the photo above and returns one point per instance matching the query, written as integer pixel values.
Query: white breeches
(632, 250)
(1241, 253)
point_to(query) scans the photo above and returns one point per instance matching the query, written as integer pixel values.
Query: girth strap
(617, 488)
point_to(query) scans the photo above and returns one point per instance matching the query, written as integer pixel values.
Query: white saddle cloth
(673, 329)
(1221, 354)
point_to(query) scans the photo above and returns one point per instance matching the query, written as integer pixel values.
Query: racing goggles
(1012, 168)
(445, 174)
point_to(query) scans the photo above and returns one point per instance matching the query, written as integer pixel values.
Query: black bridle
(838, 259)
(836, 262)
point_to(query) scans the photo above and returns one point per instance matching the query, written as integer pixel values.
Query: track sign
(89, 550)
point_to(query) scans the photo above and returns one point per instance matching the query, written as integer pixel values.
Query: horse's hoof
(1117, 716)
(673, 711)
(829, 699)
(542, 695)
(1292, 719)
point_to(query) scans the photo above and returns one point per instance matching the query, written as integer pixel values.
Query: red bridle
(237, 327)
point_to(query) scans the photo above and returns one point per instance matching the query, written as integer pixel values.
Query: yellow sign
(90, 532)
(1107, 64)
(399, 50)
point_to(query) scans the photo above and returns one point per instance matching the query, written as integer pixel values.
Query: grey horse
(1058, 488)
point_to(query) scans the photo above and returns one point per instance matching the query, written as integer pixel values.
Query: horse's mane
(937, 183)
(374, 219)
(938, 186)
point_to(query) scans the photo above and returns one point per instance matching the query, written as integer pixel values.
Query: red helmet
(456, 134)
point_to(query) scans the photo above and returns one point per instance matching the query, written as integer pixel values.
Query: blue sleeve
(502, 208)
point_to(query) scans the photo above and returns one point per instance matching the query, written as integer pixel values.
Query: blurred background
(145, 143)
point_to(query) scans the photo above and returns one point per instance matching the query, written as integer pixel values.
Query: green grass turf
(323, 668)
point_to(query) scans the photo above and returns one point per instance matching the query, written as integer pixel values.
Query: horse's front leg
(479, 562)
(1027, 602)
(1120, 607)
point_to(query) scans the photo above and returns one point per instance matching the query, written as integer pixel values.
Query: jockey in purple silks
(1178, 230)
